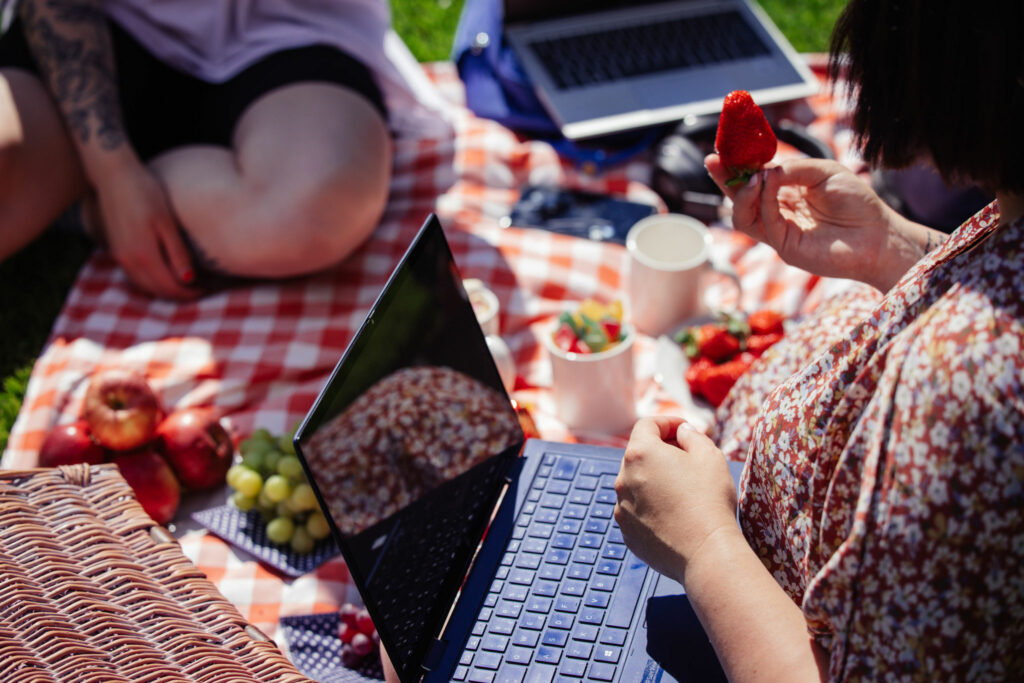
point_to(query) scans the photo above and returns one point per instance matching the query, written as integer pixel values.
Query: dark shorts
(164, 108)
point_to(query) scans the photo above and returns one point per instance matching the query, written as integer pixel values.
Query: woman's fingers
(663, 427)
(807, 172)
(713, 163)
(775, 224)
(178, 257)
(691, 441)
(148, 268)
(746, 209)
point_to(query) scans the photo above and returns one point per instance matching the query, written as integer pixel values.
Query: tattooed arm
(71, 42)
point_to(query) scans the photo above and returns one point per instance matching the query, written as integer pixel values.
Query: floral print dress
(884, 485)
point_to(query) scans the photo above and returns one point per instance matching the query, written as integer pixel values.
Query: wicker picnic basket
(92, 589)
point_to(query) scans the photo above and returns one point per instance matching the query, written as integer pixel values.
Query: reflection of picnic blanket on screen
(262, 353)
(408, 433)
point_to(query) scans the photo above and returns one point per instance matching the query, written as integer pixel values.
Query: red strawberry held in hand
(745, 140)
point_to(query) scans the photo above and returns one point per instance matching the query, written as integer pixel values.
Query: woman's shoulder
(958, 369)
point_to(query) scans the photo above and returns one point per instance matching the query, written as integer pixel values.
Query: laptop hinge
(434, 655)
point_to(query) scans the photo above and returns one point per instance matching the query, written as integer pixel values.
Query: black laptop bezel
(415, 667)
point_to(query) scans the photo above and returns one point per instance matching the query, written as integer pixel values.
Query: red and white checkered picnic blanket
(261, 353)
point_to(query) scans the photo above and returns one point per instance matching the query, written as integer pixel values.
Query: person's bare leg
(40, 174)
(304, 186)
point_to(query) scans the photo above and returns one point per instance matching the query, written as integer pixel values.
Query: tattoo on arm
(71, 42)
(935, 238)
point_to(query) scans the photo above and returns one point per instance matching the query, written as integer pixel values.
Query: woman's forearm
(758, 632)
(907, 244)
(70, 40)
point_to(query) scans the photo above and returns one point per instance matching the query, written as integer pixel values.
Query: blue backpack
(496, 87)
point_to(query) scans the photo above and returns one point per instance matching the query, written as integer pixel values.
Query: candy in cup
(591, 353)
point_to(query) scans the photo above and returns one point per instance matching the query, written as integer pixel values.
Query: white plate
(670, 364)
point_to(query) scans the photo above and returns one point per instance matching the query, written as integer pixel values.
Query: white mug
(669, 253)
(594, 392)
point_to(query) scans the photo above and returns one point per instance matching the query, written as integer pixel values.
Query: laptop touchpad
(594, 103)
(675, 637)
(676, 90)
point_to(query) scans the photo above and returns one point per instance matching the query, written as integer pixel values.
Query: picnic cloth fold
(261, 353)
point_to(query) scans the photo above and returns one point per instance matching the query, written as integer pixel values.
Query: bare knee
(39, 170)
(12, 149)
(282, 205)
(308, 226)
(9, 151)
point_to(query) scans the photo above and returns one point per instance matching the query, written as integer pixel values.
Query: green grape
(302, 542)
(289, 466)
(262, 435)
(232, 475)
(277, 487)
(270, 461)
(280, 529)
(248, 482)
(285, 509)
(285, 445)
(254, 460)
(254, 445)
(317, 526)
(243, 502)
(302, 498)
(263, 501)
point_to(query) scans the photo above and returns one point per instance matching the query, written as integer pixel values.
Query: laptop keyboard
(562, 601)
(619, 52)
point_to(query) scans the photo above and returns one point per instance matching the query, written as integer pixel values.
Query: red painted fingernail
(188, 276)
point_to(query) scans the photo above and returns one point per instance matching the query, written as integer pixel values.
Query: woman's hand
(142, 234)
(819, 216)
(674, 492)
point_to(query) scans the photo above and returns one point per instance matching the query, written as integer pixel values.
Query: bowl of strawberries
(721, 350)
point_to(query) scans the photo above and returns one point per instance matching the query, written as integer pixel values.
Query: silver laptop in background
(607, 66)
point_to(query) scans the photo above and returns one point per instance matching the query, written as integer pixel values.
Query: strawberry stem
(740, 178)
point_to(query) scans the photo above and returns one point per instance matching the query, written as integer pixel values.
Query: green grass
(806, 23)
(34, 283)
(427, 26)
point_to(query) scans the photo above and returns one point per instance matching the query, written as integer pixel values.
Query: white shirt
(215, 39)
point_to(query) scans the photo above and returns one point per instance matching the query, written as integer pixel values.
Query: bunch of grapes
(270, 478)
(358, 635)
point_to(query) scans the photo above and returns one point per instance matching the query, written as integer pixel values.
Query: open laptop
(479, 557)
(607, 66)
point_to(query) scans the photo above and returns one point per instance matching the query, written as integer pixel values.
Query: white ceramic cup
(485, 304)
(594, 392)
(503, 360)
(669, 254)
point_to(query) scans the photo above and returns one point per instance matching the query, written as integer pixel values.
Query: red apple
(70, 444)
(153, 482)
(121, 409)
(197, 446)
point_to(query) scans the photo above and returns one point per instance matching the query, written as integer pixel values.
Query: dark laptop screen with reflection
(408, 446)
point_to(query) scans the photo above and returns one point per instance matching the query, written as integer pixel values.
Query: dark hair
(937, 78)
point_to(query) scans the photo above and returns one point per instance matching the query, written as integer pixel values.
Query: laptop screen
(532, 10)
(408, 445)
